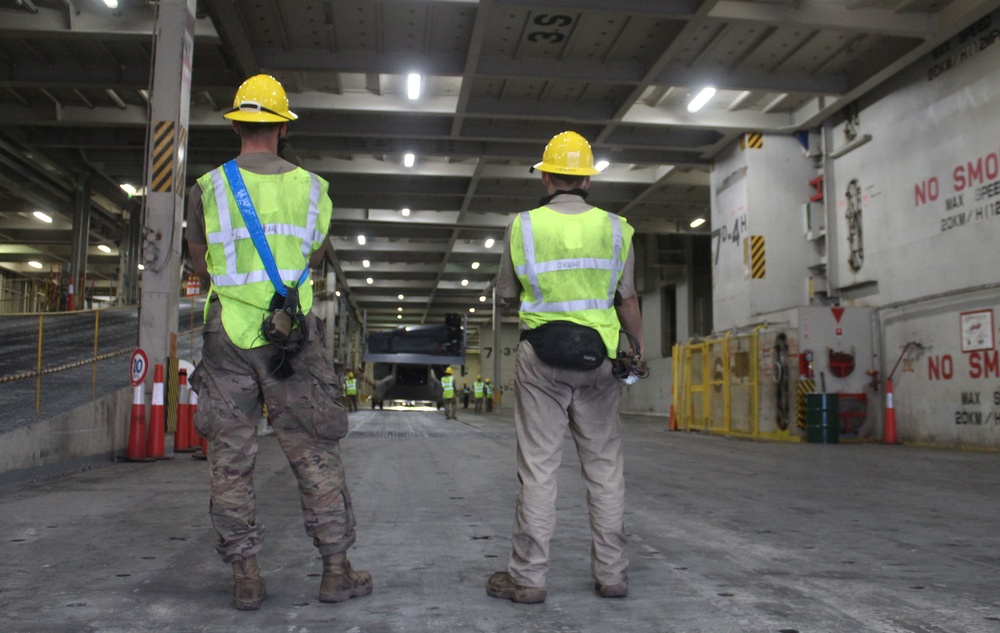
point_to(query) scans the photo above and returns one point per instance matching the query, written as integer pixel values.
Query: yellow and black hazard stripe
(164, 157)
(752, 140)
(805, 387)
(758, 257)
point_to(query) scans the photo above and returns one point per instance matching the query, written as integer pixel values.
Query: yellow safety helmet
(447, 370)
(350, 374)
(487, 380)
(261, 99)
(569, 154)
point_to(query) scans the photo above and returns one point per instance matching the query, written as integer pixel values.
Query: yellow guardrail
(717, 386)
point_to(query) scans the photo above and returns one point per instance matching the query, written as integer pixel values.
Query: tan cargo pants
(548, 400)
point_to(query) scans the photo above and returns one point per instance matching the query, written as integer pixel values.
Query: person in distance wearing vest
(351, 389)
(448, 394)
(570, 266)
(488, 395)
(477, 393)
(256, 226)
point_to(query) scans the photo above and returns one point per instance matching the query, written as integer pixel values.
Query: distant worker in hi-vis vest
(256, 226)
(477, 393)
(570, 266)
(351, 390)
(448, 394)
(488, 395)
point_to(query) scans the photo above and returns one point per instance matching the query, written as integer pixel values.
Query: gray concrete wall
(90, 434)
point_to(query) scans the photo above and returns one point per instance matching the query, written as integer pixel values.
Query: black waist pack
(566, 344)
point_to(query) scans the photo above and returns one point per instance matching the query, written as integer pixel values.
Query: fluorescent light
(361, 240)
(601, 165)
(111, 4)
(370, 280)
(695, 223)
(400, 297)
(699, 101)
(482, 299)
(405, 211)
(408, 160)
(34, 264)
(44, 217)
(103, 248)
(365, 263)
(490, 242)
(129, 189)
(475, 265)
(413, 86)
(465, 282)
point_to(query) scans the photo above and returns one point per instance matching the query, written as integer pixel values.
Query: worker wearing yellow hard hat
(571, 322)
(351, 391)
(488, 395)
(448, 394)
(478, 390)
(258, 349)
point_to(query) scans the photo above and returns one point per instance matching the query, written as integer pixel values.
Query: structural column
(162, 229)
(81, 241)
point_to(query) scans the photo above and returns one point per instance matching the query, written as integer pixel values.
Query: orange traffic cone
(673, 420)
(193, 408)
(889, 436)
(182, 437)
(136, 451)
(157, 428)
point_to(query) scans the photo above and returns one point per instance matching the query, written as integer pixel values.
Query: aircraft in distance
(410, 360)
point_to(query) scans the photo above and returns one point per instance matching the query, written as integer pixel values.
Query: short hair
(566, 181)
(255, 128)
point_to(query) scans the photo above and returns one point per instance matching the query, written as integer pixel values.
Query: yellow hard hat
(487, 380)
(447, 370)
(569, 154)
(350, 374)
(479, 377)
(261, 99)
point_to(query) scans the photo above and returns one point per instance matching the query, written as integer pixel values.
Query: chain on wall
(854, 237)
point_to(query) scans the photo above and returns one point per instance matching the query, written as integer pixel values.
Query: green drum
(822, 419)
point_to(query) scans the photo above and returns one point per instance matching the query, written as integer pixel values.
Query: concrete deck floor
(726, 536)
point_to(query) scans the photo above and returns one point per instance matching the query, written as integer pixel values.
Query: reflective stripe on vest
(531, 269)
(569, 266)
(291, 208)
(477, 389)
(351, 386)
(448, 386)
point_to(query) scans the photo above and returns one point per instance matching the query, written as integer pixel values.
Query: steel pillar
(164, 211)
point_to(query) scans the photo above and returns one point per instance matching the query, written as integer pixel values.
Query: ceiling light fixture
(104, 248)
(490, 242)
(370, 281)
(399, 316)
(34, 264)
(141, 267)
(400, 297)
(365, 263)
(44, 217)
(413, 86)
(408, 159)
(482, 299)
(405, 211)
(472, 309)
(337, 293)
(699, 101)
(111, 4)
(695, 223)
(465, 282)
(129, 189)
(361, 240)
(475, 265)
(601, 165)
(399, 309)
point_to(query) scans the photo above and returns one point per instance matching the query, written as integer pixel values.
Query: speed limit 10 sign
(139, 365)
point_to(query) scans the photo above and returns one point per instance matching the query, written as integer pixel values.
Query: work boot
(617, 590)
(501, 585)
(340, 582)
(248, 586)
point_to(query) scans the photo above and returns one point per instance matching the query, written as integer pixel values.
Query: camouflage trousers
(308, 420)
